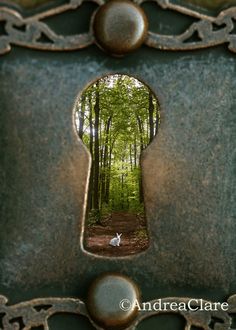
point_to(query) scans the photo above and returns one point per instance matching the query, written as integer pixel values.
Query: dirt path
(133, 239)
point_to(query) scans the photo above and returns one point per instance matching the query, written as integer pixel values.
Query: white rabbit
(115, 241)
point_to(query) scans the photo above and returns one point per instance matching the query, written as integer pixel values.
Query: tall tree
(105, 160)
(151, 114)
(91, 152)
(81, 116)
(96, 194)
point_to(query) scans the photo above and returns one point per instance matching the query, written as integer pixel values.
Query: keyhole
(116, 117)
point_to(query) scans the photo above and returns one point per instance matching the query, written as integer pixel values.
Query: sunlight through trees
(116, 118)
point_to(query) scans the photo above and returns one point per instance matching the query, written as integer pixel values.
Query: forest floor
(133, 240)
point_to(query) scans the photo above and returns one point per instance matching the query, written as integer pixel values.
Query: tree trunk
(81, 117)
(157, 117)
(108, 179)
(141, 149)
(151, 123)
(91, 152)
(96, 149)
(105, 161)
(130, 158)
(122, 184)
(140, 127)
(135, 152)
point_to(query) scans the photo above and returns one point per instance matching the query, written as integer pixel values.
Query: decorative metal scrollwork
(36, 312)
(210, 31)
(27, 32)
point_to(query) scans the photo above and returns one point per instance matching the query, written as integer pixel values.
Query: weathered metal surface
(189, 184)
(120, 26)
(36, 312)
(34, 29)
(188, 170)
(107, 301)
(205, 4)
(207, 32)
(27, 32)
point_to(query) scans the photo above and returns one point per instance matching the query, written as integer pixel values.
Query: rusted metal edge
(36, 312)
(29, 32)
(207, 32)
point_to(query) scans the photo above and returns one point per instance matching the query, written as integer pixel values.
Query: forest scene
(116, 118)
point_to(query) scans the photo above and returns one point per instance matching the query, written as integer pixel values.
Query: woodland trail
(98, 237)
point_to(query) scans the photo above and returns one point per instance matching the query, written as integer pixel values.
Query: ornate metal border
(27, 32)
(36, 312)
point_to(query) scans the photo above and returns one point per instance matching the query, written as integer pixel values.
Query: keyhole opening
(116, 117)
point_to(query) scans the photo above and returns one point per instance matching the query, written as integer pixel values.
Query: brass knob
(120, 26)
(112, 300)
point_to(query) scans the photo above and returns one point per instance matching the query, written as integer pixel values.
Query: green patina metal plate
(188, 170)
(207, 4)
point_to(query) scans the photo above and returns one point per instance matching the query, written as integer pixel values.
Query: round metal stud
(112, 301)
(120, 26)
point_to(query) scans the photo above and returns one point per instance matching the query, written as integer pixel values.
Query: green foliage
(117, 117)
(94, 216)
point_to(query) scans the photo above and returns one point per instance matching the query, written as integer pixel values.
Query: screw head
(111, 301)
(120, 26)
